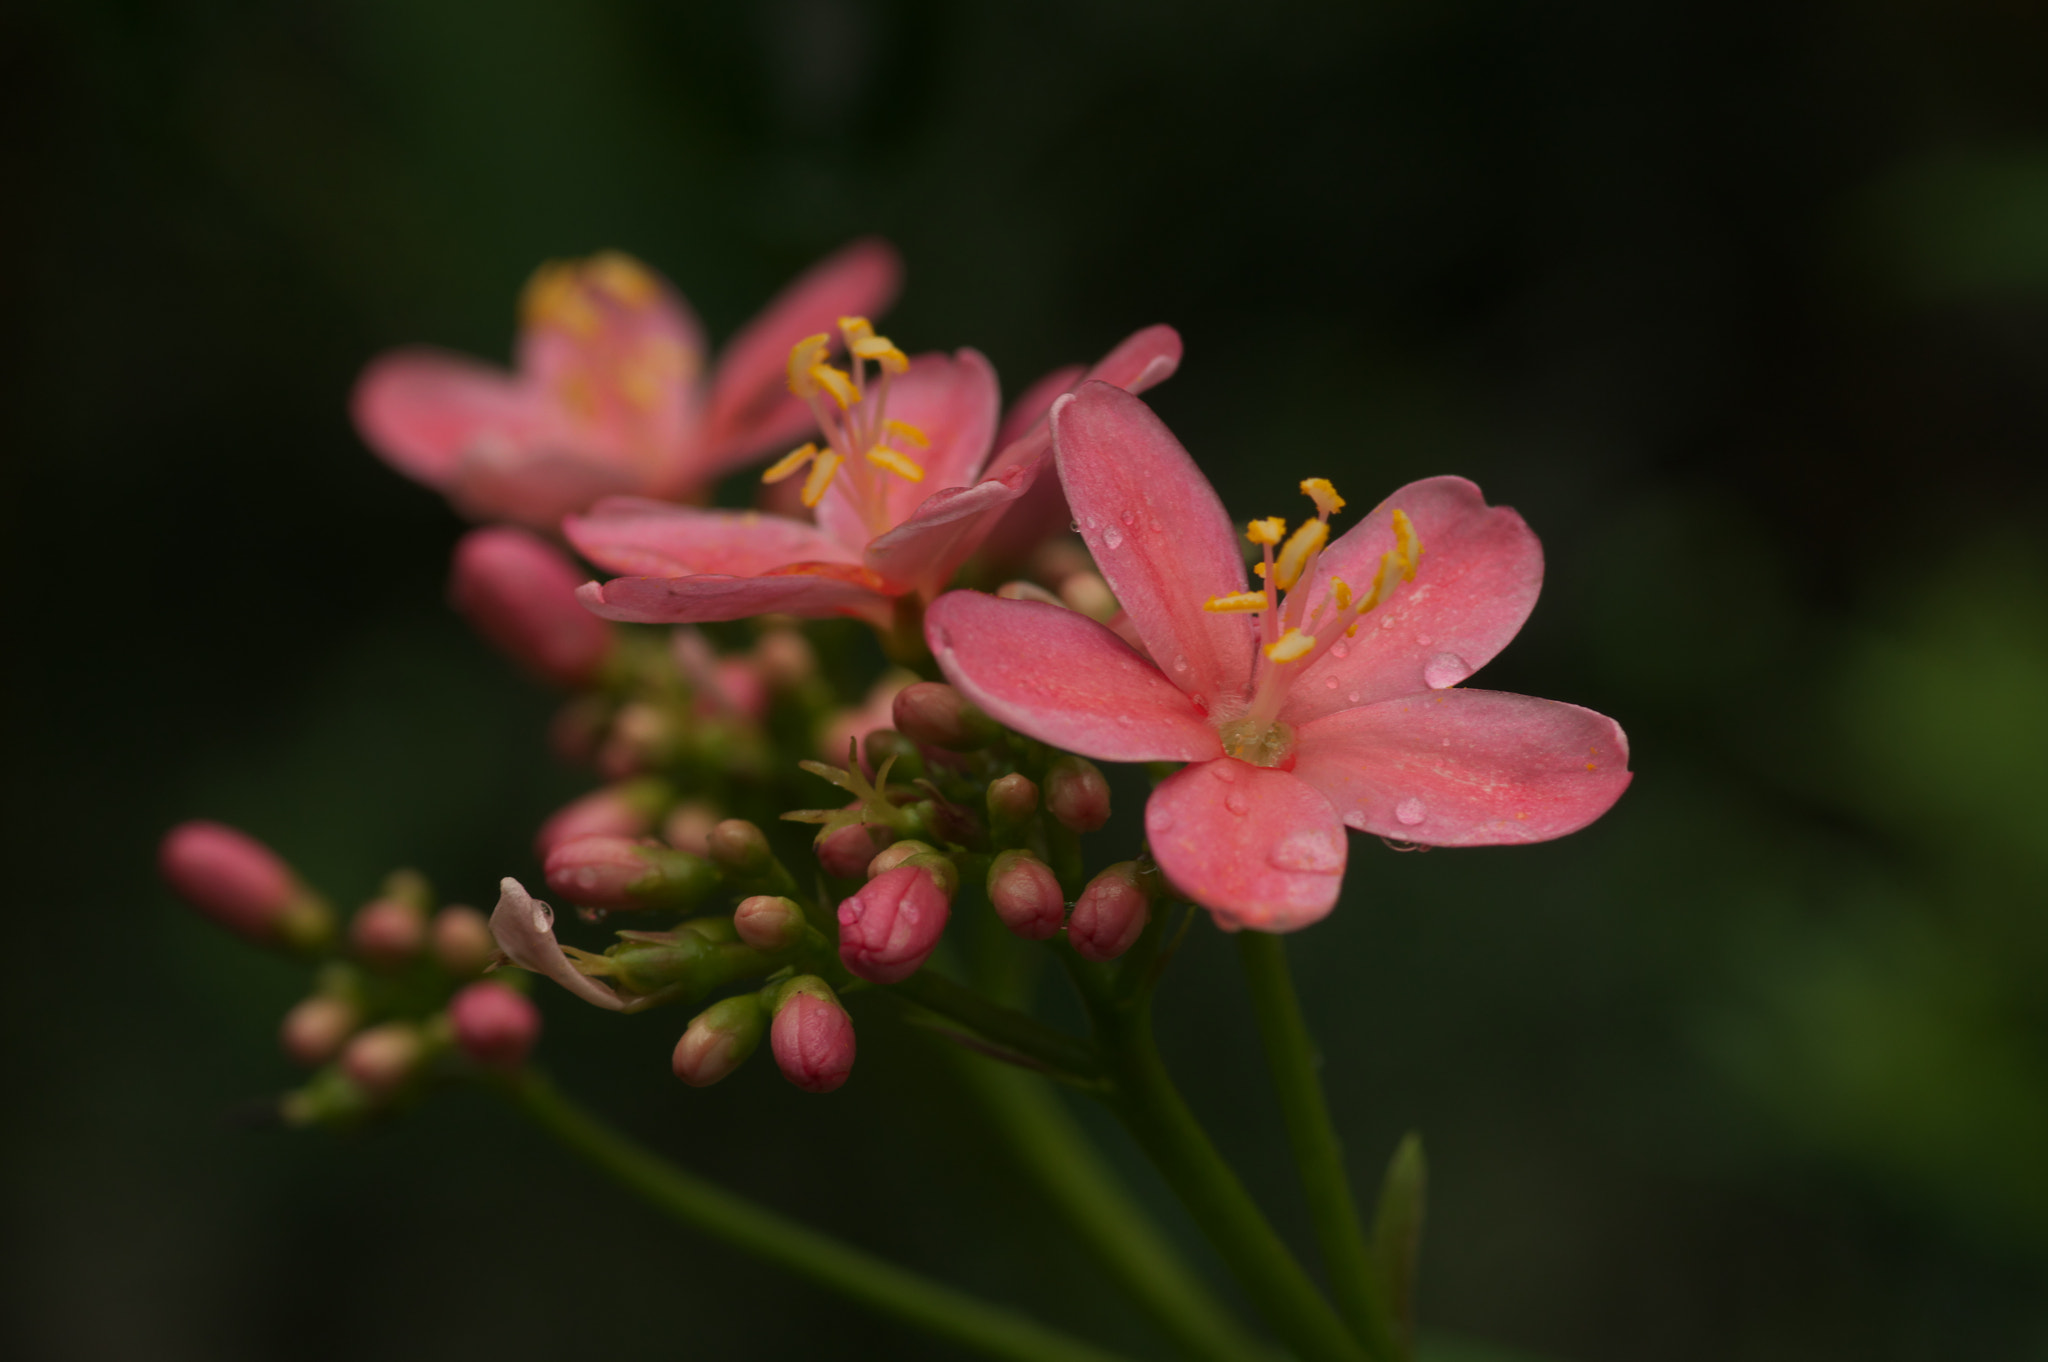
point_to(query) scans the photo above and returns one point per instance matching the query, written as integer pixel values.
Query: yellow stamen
(1304, 545)
(624, 278)
(1341, 589)
(1291, 646)
(789, 463)
(1408, 544)
(855, 330)
(897, 462)
(806, 355)
(835, 382)
(821, 477)
(1237, 602)
(1267, 531)
(903, 430)
(1259, 570)
(554, 297)
(1328, 503)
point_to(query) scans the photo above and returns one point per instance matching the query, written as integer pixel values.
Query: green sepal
(1397, 1239)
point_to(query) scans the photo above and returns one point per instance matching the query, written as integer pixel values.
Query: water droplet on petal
(1129, 518)
(1113, 538)
(1180, 662)
(1422, 640)
(1237, 801)
(1352, 697)
(1312, 851)
(1225, 772)
(1074, 525)
(1409, 812)
(1330, 682)
(1157, 528)
(1093, 523)
(1340, 649)
(1201, 701)
(1158, 819)
(1445, 669)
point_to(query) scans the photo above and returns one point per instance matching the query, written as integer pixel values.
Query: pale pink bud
(785, 658)
(688, 827)
(888, 858)
(628, 809)
(768, 922)
(719, 1040)
(888, 928)
(381, 1059)
(316, 1027)
(739, 847)
(519, 592)
(462, 940)
(241, 884)
(641, 736)
(1012, 799)
(388, 932)
(616, 872)
(1077, 794)
(494, 1025)
(933, 713)
(1026, 895)
(1110, 914)
(845, 852)
(812, 1036)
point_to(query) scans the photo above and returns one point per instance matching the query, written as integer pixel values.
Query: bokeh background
(1744, 305)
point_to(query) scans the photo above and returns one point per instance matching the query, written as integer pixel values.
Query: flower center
(851, 405)
(620, 361)
(1291, 636)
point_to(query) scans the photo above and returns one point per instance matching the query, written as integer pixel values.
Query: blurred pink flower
(610, 395)
(1328, 698)
(903, 491)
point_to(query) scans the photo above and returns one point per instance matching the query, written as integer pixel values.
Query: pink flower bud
(462, 940)
(888, 928)
(494, 1025)
(381, 1059)
(1077, 794)
(519, 592)
(628, 809)
(933, 713)
(616, 873)
(812, 1036)
(388, 932)
(1026, 895)
(845, 852)
(768, 923)
(719, 1040)
(888, 858)
(316, 1027)
(1012, 799)
(641, 736)
(1110, 914)
(241, 884)
(738, 847)
(688, 827)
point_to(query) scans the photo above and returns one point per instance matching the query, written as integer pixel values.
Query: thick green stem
(1318, 1154)
(859, 1276)
(1066, 1055)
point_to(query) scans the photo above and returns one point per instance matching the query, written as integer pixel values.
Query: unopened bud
(844, 853)
(812, 1036)
(1012, 800)
(242, 885)
(628, 809)
(494, 1025)
(688, 827)
(381, 1059)
(739, 847)
(613, 872)
(1090, 595)
(889, 857)
(641, 736)
(1077, 794)
(519, 592)
(935, 714)
(893, 923)
(1026, 895)
(462, 940)
(785, 658)
(719, 1039)
(387, 932)
(768, 922)
(882, 744)
(316, 1027)
(1110, 913)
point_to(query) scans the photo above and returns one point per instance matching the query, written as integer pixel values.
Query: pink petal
(643, 538)
(1252, 844)
(924, 551)
(1028, 410)
(811, 590)
(1466, 767)
(534, 487)
(423, 409)
(1480, 573)
(751, 409)
(955, 401)
(1159, 535)
(1064, 679)
(1140, 360)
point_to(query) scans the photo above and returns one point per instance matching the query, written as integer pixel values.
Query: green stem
(1318, 1154)
(881, 1286)
(1013, 1030)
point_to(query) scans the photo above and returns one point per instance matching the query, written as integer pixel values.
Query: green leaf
(1397, 1238)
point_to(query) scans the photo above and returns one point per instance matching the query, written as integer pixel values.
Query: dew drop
(1445, 669)
(1238, 802)
(1158, 819)
(1093, 523)
(1113, 538)
(1330, 682)
(1180, 662)
(1201, 701)
(1313, 851)
(1409, 812)
(592, 915)
(1129, 518)
(1422, 640)
(1074, 525)
(1225, 772)
(1157, 528)
(1352, 697)
(1340, 649)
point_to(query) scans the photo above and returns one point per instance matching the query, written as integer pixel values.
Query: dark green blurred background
(1744, 305)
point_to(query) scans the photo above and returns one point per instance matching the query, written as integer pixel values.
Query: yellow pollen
(855, 330)
(1267, 531)
(835, 382)
(1260, 570)
(1304, 545)
(1408, 544)
(1341, 589)
(789, 463)
(806, 355)
(1291, 646)
(577, 395)
(903, 430)
(554, 297)
(821, 477)
(1238, 602)
(897, 462)
(624, 278)
(1319, 490)
(883, 351)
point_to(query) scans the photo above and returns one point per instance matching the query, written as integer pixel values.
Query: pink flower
(903, 491)
(1327, 699)
(519, 592)
(610, 394)
(494, 1025)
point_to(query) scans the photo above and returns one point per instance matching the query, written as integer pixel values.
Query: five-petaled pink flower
(610, 396)
(1326, 698)
(903, 489)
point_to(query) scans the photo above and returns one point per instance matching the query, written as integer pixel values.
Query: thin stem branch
(881, 1286)
(1318, 1153)
(1006, 1026)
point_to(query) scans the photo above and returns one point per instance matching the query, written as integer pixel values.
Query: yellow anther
(897, 462)
(1237, 602)
(1318, 490)
(624, 278)
(578, 396)
(789, 463)
(1259, 570)
(1408, 544)
(554, 297)
(903, 430)
(1291, 646)
(855, 330)
(1341, 590)
(883, 351)
(821, 477)
(806, 355)
(835, 382)
(1301, 548)
(1267, 531)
